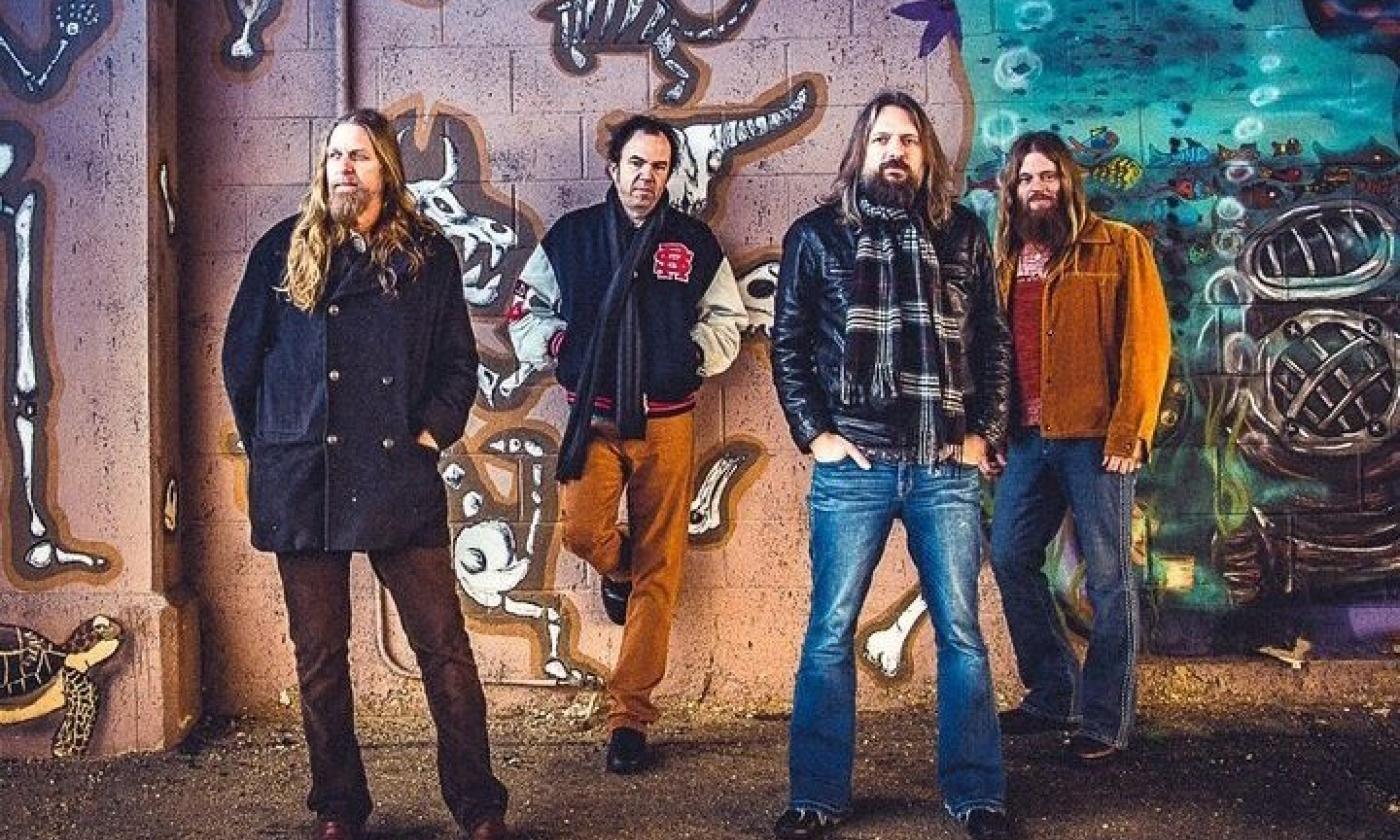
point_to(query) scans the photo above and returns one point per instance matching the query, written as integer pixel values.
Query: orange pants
(657, 474)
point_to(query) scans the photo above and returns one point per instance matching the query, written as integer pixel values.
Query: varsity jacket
(691, 311)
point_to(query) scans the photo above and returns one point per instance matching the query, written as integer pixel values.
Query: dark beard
(1046, 228)
(887, 194)
(345, 208)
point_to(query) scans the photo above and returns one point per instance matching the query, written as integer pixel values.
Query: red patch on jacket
(673, 262)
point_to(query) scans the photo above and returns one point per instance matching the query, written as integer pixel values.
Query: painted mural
(243, 47)
(39, 678)
(586, 29)
(37, 73)
(37, 550)
(500, 483)
(1261, 161)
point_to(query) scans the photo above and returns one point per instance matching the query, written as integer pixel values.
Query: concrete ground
(1192, 773)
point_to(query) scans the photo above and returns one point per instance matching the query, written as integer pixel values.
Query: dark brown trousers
(316, 586)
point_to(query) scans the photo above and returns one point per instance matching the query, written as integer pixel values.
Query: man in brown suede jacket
(1091, 343)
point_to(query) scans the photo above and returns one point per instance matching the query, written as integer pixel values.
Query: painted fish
(1120, 172)
(1262, 195)
(1190, 188)
(1289, 174)
(1371, 156)
(1248, 151)
(1329, 180)
(1101, 141)
(1291, 147)
(1180, 152)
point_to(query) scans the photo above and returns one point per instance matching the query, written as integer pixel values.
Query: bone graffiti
(39, 677)
(712, 142)
(501, 552)
(32, 532)
(243, 46)
(35, 75)
(586, 29)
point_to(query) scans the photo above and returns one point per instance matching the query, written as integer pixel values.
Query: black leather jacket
(809, 332)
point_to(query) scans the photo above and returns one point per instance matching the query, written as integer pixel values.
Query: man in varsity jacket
(635, 304)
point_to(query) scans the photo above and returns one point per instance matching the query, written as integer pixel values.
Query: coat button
(332, 440)
(334, 376)
(333, 310)
(388, 443)
(386, 380)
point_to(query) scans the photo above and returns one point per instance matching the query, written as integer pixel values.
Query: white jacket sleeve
(533, 320)
(720, 318)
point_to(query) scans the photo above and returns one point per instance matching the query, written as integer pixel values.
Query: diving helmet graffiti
(1329, 384)
(1324, 250)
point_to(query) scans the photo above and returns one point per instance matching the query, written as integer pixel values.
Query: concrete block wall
(1209, 125)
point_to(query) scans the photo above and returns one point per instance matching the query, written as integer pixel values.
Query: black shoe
(796, 823)
(627, 751)
(1018, 721)
(616, 594)
(986, 824)
(1086, 750)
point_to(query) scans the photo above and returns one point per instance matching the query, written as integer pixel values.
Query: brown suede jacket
(1105, 339)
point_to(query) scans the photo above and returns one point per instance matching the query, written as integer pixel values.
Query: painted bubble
(1248, 128)
(1000, 127)
(1229, 209)
(1016, 68)
(1269, 62)
(1264, 95)
(1034, 14)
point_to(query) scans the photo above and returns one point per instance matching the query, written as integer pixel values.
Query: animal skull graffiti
(758, 287)
(480, 238)
(707, 148)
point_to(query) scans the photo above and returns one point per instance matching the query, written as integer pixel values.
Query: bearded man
(350, 363)
(1091, 347)
(892, 363)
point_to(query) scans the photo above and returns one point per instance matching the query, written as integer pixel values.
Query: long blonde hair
(399, 229)
(934, 197)
(1072, 198)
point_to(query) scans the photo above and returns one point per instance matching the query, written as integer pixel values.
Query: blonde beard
(345, 207)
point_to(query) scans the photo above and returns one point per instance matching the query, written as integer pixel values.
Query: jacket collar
(1095, 232)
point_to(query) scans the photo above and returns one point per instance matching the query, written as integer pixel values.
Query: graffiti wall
(1255, 143)
(98, 636)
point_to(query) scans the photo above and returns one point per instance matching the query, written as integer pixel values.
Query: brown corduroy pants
(656, 473)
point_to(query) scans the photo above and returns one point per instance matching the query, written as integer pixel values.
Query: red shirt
(1027, 294)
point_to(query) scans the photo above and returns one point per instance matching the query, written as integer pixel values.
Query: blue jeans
(1044, 477)
(852, 511)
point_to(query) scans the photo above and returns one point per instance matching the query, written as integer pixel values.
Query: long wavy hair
(399, 229)
(1072, 199)
(934, 196)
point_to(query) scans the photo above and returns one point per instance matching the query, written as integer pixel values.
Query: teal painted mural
(1255, 143)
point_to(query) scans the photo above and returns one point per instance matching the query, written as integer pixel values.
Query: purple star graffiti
(941, 17)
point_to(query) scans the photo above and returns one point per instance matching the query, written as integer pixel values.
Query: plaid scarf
(901, 347)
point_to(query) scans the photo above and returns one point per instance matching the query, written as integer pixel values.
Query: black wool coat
(329, 403)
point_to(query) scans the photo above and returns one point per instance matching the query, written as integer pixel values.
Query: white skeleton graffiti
(474, 232)
(586, 28)
(707, 508)
(71, 21)
(885, 648)
(489, 564)
(43, 552)
(758, 287)
(705, 147)
(253, 11)
(496, 388)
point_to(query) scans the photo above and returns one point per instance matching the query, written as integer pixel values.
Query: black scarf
(617, 337)
(903, 339)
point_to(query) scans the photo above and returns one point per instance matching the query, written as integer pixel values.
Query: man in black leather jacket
(891, 357)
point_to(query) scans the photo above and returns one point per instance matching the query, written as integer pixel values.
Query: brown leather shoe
(491, 828)
(336, 830)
